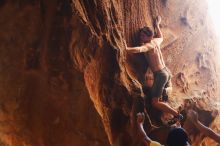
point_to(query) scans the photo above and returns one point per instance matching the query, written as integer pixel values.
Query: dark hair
(177, 137)
(147, 31)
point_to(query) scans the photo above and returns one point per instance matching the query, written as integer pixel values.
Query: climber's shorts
(161, 81)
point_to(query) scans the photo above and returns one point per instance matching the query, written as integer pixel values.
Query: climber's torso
(154, 56)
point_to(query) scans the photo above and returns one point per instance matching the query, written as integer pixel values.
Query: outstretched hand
(140, 118)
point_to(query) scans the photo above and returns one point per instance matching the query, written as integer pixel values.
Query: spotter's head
(177, 137)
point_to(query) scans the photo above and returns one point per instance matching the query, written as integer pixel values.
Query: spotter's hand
(140, 118)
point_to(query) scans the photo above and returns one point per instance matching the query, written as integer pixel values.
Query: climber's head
(177, 137)
(145, 35)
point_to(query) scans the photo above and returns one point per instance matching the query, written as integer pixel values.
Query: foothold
(203, 61)
(170, 38)
(184, 21)
(196, 82)
(164, 2)
(197, 73)
(182, 82)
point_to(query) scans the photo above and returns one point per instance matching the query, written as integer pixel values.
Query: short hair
(177, 137)
(149, 32)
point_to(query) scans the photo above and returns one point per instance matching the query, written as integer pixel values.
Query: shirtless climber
(150, 46)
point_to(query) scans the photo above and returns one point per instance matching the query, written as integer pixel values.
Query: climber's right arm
(144, 48)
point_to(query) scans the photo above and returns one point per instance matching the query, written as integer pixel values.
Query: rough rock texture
(44, 100)
(66, 79)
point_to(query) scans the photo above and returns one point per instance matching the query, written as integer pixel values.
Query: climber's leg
(163, 106)
(167, 88)
(160, 79)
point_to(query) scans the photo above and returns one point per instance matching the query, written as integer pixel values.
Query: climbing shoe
(175, 119)
(179, 117)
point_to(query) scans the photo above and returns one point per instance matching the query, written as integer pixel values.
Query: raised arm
(158, 33)
(140, 121)
(207, 131)
(144, 137)
(193, 116)
(158, 37)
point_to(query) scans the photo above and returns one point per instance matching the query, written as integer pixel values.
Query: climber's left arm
(158, 34)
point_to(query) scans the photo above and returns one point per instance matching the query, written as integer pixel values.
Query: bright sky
(214, 11)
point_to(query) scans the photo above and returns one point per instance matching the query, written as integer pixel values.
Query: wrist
(141, 125)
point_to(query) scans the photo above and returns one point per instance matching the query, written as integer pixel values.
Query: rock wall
(44, 100)
(67, 80)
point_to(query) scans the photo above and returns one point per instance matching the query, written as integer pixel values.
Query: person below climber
(193, 117)
(150, 46)
(176, 137)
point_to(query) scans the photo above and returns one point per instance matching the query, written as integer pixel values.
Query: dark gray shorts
(161, 81)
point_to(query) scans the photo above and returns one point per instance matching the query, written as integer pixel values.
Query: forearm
(134, 49)
(143, 135)
(137, 49)
(158, 31)
(207, 131)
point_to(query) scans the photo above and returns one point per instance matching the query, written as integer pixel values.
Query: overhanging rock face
(67, 80)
